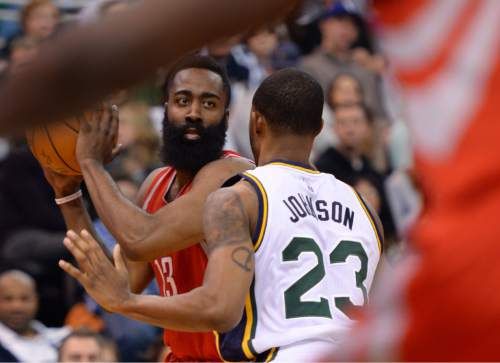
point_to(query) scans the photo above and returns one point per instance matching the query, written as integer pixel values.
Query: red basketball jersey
(442, 303)
(179, 273)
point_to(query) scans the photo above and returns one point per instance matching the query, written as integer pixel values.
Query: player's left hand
(97, 139)
(105, 283)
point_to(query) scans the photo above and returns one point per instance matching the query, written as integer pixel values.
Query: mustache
(197, 125)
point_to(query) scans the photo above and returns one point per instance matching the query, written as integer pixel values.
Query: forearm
(194, 311)
(77, 218)
(128, 223)
(85, 55)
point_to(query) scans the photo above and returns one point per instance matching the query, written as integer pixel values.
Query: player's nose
(194, 112)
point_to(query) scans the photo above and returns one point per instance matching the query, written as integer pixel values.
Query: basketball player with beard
(163, 239)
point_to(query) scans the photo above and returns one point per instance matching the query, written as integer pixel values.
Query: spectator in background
(23, 339)
(109, 350)
(140, 143)
(31, 230)
(347, 161)
(10, 24)
(86, 346)
(39, 19)
(345, 88)
(256, 55)
(339, 34)
(221, 51)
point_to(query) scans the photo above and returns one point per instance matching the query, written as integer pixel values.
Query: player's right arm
(144, 236)
(230, 216)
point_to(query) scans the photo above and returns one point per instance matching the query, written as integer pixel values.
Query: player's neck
(184, 177)
(294, 149)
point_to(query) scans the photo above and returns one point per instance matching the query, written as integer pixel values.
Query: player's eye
(182, 101)
(209, 104)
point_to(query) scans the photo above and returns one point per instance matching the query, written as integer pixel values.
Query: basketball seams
(70, 127)
(56, 151)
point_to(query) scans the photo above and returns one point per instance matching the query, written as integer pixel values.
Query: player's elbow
(133, 250)
(223, 321)
(131, 254)
(135, 247)
(220, 315)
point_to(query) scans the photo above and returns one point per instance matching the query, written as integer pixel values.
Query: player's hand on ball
(105, 283)
(97, 140)
(63, 185)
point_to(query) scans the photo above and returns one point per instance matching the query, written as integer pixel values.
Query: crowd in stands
(364, 143)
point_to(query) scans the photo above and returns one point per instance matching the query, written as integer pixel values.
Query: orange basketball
(54, 146)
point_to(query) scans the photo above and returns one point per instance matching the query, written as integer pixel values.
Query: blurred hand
(63, 185)
(105, 283)
(98, 135)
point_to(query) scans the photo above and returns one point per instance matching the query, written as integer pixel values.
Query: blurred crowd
(364, 143)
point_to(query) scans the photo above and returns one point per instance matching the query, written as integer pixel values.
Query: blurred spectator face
(351, 127)
(345, 90)
(109, 352)
(80, 349)
(40, 19)
(369, 193)
(338, 33)
(263, 43)
(18, 301)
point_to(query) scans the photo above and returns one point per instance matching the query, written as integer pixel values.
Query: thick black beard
(192, 155)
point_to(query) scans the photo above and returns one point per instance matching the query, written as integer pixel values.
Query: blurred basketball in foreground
(54, 146)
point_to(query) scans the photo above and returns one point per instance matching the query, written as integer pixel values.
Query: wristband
(68, 198)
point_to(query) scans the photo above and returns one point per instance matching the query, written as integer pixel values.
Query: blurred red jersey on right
(443, 303)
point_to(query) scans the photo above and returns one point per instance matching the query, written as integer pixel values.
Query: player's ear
(320, 127)
(259, 122)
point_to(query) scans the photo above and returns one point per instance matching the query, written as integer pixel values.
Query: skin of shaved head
(18, 301)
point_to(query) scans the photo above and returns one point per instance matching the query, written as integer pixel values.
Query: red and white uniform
(179, 273)
(443, 303)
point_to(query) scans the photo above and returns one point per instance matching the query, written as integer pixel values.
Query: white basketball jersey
(316, 252)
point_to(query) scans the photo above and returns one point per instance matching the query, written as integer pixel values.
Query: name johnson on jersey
(301, 206)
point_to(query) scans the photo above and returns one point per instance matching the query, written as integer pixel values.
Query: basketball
(54, 146)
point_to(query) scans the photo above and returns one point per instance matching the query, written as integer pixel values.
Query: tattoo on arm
(226, 223)
(242, 256)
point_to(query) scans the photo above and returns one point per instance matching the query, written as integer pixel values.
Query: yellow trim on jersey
(311, 171)
(263, 223)
(372, 222)
(245, 344)
(217, 346)
(271, 355)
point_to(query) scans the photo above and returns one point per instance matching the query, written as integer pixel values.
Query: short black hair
(201, 62)
(291, 101)
(366, 110)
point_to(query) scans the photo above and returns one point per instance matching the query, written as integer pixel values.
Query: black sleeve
(232, 181)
